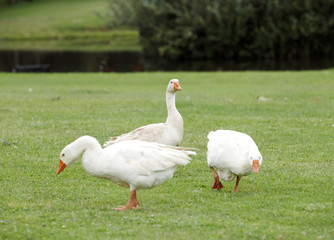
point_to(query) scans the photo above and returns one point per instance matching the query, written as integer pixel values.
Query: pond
(71, 61)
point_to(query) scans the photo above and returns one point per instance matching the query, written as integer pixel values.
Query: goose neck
(88, 143)
(170, 102)
(91, 149)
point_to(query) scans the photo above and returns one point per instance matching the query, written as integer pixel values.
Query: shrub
(233, 28)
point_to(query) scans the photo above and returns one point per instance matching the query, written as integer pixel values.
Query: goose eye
(63, 155)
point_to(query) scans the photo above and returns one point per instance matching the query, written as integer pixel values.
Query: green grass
(291, 197)
(61, 25)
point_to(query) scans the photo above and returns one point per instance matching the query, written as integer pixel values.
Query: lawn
(61, 25)
(292, 123)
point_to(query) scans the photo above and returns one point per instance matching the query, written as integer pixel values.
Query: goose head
(255, 161)
(69, 154)
(174, 86)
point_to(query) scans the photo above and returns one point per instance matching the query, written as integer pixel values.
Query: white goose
(132, 164)
(233, 154)
(169, 133)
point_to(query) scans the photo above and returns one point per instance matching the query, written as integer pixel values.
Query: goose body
(169, 133)
(233, 154)
(132, 164)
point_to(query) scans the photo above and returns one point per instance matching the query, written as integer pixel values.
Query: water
(72, 61)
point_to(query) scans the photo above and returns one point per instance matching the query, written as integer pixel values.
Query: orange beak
(177, 87)
(256, 166)
(61, 167)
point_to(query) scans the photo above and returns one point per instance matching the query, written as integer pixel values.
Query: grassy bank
(61, 25)
(291, 197)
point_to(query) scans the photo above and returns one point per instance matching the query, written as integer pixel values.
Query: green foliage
(234, 28)
(120, 13)
(291, 197)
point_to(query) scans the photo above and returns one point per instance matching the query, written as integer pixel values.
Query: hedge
(232, 29)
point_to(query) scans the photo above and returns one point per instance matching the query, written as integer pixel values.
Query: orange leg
(237, 184)
(132, 203)
(217, 184)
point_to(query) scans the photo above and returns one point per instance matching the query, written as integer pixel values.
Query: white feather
(169, 133)
(132, 163)
(232, 153)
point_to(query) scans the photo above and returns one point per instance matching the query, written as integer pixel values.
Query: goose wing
(152, 157)
(142, 164)
(150, 133)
